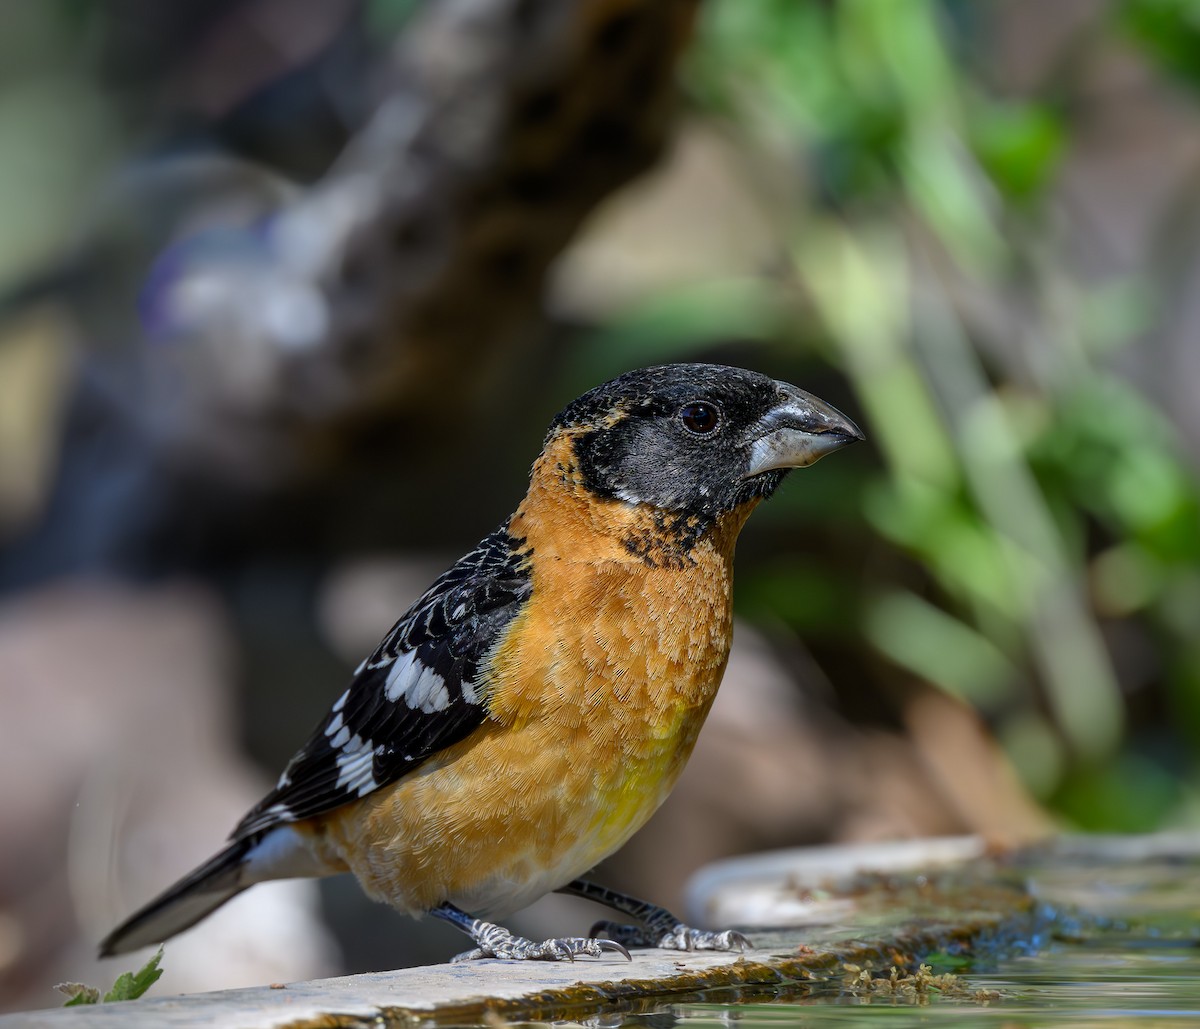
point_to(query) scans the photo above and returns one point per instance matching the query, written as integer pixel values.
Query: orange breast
(598, 692)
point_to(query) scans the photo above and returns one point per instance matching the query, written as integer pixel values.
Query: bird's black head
(697, 439)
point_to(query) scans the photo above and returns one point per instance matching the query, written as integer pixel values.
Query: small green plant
(129, 985)
(940, 962)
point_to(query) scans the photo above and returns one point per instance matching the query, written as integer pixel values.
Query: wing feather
(423, 689)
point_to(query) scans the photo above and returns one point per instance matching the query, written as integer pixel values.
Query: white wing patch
(338, 732)
(410, 680)
(356, 765)
(421, 687)
(280, 811)
(355, 756)
(470, 693)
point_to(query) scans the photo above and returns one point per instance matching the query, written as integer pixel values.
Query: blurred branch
(394, 283)
(279, 327)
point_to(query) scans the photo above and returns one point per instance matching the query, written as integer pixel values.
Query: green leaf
(1169, 31)
(131, 985)
(1132, 793)
(941, 961)
(936, 646)
(1019, 147)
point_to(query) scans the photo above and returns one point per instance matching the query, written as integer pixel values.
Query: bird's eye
(699, 417)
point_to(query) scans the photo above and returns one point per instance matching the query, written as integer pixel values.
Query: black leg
(494, 941)
(659, 927)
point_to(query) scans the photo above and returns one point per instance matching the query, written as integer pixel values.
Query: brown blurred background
(289, 290)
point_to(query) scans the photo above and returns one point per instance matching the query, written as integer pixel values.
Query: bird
(536, 705)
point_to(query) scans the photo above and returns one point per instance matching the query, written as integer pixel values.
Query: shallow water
(1122, 949)
(1115, 981)
(1120, 946)
(1112, 981)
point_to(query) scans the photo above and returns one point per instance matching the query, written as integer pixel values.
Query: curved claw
(615, 947)
(470, 955)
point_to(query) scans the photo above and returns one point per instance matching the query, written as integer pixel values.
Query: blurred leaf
(1125, 579)
(686, 318)
(947, 189)
(1034, 750)
(966, 557)
(1184, 685)
(907, 39)
(1116, 313)
(1119, 458)
(59, 134)
(807, 597)
(1147, 489)
(1169, 30)
(859, 284)
(674, 326)
(941, 961)
(939, 648)
(1029, 493)
(1019, 145)
(1180, 601)
(1128, 794)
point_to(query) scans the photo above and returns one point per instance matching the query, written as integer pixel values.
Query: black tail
(184, 904)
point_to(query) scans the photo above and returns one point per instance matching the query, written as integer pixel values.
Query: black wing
(422, 690)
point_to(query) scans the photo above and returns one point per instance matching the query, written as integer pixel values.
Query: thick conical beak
(799, 431)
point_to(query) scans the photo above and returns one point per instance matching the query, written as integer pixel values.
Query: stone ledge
(534, 991)
(871, 905)
(540, 991)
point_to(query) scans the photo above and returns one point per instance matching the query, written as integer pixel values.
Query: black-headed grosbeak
(536, 705)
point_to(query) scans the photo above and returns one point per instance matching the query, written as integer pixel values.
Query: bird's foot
(657, 928)
(494, 941)
(672, 936)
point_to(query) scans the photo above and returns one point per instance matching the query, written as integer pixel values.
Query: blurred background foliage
(971, 224)
(1029, 539)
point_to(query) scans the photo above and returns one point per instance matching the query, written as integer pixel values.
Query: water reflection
(1127, 954)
